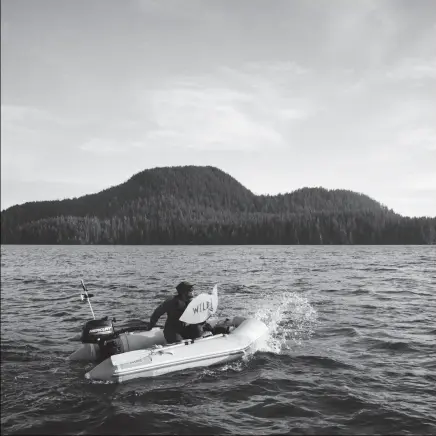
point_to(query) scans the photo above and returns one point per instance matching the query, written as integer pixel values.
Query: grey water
(351, 346)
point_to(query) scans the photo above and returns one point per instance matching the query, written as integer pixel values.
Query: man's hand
(207, 328)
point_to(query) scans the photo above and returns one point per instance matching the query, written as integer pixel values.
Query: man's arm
(159, 311)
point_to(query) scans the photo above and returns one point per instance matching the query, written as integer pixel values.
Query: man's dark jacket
(174, 308)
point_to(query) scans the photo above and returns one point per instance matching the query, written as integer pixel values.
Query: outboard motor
(102, 333)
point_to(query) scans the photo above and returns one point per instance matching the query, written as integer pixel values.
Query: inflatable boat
(133, 352)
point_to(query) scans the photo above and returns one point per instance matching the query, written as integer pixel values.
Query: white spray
(290, 319)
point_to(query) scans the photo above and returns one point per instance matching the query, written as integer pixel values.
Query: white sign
(201, 308)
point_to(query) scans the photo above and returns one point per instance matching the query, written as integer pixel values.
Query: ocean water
(351, 346)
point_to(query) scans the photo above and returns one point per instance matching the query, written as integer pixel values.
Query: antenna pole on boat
(87, 297)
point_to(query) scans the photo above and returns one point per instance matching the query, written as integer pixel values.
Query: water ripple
(350, 346)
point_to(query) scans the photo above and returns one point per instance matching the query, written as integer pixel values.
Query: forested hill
(204, 205)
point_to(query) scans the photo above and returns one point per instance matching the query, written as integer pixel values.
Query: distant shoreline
(218, 245)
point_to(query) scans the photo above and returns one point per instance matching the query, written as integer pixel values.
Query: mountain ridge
(138, 176)
(203, 204)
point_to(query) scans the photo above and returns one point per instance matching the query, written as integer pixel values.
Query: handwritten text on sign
(205, 305)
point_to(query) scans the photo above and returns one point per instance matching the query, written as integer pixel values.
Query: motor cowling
(98, 331)
(102, 333)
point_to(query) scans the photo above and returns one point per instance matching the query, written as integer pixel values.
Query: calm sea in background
(351, 348)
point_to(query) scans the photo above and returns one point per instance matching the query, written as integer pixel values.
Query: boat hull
(204, 352)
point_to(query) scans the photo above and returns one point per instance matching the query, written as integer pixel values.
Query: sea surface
(351, 346)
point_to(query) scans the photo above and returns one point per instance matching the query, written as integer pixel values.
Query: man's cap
(184, 286)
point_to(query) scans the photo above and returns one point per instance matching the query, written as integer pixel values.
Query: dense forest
(204, 205)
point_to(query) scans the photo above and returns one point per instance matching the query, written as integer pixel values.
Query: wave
(61, 314)
(343, 331)
(387, 420)
(277, 408)
(20, 355)
(368, 306)
(37, 281)
(361, 291)
(381, 344)
(322, 361)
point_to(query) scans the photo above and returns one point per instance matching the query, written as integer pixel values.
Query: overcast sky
(279, 94)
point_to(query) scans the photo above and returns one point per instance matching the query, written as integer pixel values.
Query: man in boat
(176, 330)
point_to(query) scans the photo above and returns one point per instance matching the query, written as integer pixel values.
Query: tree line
(251, 228)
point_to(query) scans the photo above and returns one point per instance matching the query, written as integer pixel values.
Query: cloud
(275, 70)
(36, 118)
(358, 34)
(276, 88)
(203, 117)
(36, 142)
(422, 182)
(423, 138)
(105, 147)
(413, 70)
(18, 114)
(236, 109)
(23, 130)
